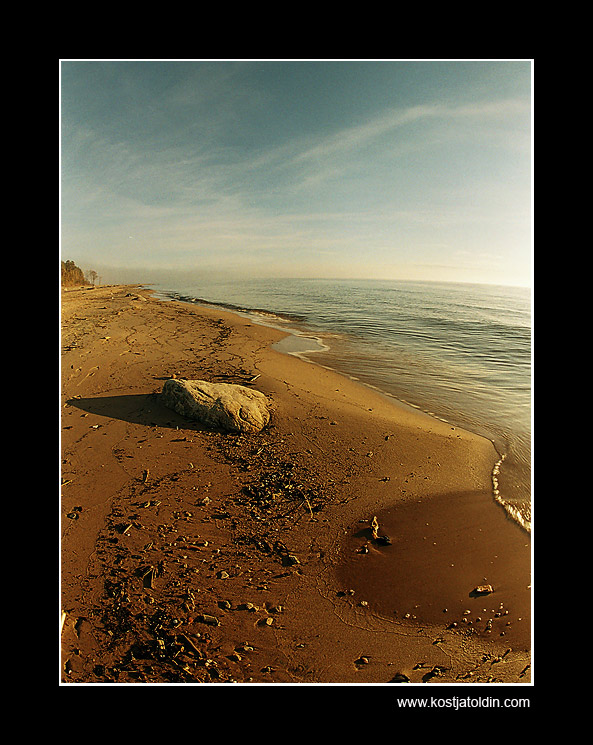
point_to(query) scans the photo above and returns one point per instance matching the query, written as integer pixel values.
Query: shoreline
(293, 344)
(350, 450)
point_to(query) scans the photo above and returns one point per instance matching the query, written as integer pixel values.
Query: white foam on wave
(513, 511)
(299, 345)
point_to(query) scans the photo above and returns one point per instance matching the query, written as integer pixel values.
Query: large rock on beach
(234, 408)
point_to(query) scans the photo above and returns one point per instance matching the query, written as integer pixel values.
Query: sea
(459, 352)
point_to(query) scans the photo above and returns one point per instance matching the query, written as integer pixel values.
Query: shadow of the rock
(137, 408)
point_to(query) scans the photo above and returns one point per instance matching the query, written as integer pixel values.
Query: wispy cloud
(403, 177)
(313, 162)
(181, 176)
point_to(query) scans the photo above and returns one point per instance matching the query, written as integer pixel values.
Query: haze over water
(460, 352)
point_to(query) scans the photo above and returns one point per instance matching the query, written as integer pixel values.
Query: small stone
(400, 678)
(483, 589)
(208, 619)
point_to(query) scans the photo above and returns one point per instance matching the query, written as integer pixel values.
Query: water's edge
(301, 344)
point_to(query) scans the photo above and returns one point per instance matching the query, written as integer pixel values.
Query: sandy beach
(190, 555)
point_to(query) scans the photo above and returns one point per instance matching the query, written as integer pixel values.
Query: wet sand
(196, 556)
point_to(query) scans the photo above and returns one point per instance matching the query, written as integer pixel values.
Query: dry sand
(196, 556)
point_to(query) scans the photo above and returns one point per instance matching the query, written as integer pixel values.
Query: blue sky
(360, 169)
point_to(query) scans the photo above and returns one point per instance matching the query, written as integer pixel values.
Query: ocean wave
(515, 512)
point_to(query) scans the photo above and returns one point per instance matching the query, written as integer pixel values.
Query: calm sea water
(459, 352)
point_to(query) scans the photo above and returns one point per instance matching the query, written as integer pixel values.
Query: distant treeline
(73, 275)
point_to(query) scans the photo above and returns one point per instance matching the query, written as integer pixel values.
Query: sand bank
(195, 556)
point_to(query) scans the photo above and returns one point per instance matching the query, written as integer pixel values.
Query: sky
(388, 169)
